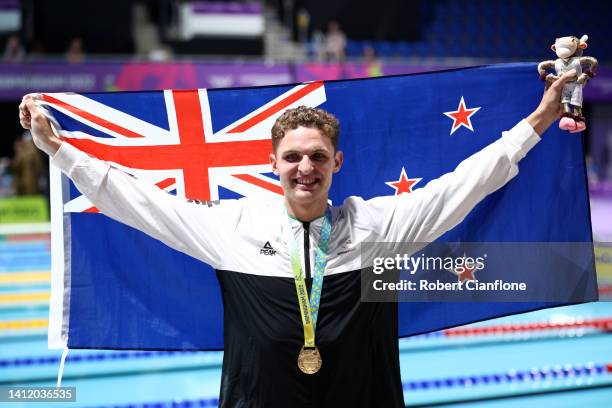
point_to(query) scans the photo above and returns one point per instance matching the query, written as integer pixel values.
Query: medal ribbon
(310, 309)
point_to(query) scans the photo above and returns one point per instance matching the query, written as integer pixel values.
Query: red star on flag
(461, 117)
(404, 184)
(467, 274)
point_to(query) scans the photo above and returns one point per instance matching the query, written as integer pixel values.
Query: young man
(273, 356)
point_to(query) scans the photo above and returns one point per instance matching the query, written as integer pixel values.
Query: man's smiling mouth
(306, 181)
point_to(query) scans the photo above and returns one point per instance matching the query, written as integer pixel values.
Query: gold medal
(309, 360)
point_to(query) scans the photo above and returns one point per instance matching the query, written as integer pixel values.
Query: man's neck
(307, 212)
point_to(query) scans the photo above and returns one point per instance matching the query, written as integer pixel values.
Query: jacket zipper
(307, 248)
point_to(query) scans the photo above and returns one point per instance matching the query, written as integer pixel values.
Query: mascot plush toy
(569, 50)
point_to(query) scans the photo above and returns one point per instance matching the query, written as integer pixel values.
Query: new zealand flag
(115, 287)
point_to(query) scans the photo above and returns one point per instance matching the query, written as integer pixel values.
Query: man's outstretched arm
(197, 230)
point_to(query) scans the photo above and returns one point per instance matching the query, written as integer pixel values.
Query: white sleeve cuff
(67, 157)
(520, 139)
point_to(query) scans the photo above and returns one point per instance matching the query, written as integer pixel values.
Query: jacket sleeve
(429, 212)
(198, 230)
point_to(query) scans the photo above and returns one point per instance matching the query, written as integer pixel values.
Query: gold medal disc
(309, 360)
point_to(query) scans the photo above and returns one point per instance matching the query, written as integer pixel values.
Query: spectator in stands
(318, 45)
(75, 53)
(27, 166)
(13, 51)
(335, 42)
(372, 65)
(37, 50)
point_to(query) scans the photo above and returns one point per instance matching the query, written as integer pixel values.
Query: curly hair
(315, 118)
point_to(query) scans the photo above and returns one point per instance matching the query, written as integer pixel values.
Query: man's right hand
(32, 118)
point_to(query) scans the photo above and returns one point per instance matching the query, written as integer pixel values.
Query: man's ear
(273, 163)
(338, 160)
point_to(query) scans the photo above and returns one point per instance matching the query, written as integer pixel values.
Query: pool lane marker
(175, 403)
(21, 278)
(92, 357)
(18, 299)
(23, 324)
(567, 371)
(602, 324)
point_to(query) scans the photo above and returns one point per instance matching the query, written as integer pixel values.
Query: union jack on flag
(115, 287)
(188, 156)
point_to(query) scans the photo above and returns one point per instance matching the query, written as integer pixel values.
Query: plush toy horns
(584, 38)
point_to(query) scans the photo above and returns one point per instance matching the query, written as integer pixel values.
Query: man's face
(305, 161)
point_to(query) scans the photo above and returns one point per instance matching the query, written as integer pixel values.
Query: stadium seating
(519, 30)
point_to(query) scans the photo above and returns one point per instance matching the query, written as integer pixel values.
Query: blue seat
(354, 48)
(405, 49)
(384, 48)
